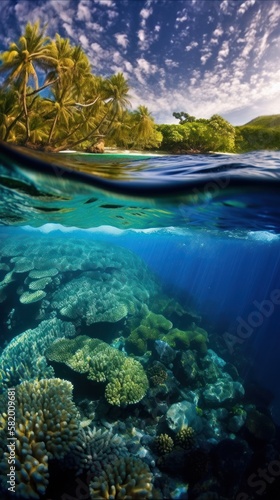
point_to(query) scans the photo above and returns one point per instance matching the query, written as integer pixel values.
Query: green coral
(130, 384)
(157, 327)
(126, 379)
(193, 339)
(151, 327)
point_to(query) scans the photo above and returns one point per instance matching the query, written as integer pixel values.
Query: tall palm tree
(143, 126)
(63, 107)
(23, 59)
(116, 97)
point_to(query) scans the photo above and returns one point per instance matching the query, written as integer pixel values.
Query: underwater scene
(140, 315)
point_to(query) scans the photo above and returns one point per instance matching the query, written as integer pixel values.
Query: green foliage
(267, 121)
(78, 107)
(251, 138)
(184, 117)
(200, 136)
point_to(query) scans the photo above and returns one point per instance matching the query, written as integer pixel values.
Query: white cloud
(121, 39)
(112, 14)
(84, 11)
(146, 38)
(191, 46)
(205, 57)
(224, 6)
(171, 64)
(146, 66)
(145, 13)
(128, 66)
(141, 36)
(273, 16)
(245, 6)
(218, 31)
(94, 28)
(105, 3)
(182, 16)
(84, 41)
(206, 54)
(224, 51)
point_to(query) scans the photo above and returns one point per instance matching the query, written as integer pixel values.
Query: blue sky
(198, 56)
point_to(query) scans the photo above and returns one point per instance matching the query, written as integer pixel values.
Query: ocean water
(140, 316)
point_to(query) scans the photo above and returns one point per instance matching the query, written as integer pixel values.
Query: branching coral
(93, 449)
(185, 438)
(46, 425)
(126, 477)
(23, 358)
(126, 380)
(157, 374)
(164, 444)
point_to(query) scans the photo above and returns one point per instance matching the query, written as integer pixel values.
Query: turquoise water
(140, 312)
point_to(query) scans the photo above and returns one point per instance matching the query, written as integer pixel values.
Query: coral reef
(23, 358)
(164, 444)
(182, 339)
(93, 449)
(155, 327)
(83, 280)
(151, 327)
(126, 477)
(126, 380)
(185, 438)
(157, 374)
(46, 425)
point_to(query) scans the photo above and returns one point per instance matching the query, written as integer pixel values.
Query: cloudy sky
(198, 56)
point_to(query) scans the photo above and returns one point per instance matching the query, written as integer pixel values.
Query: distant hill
(267, 121)
(261, 133)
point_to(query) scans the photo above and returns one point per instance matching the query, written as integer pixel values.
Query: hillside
(261, 133)
(267, 121)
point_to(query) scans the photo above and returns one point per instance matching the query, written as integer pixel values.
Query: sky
(198, 56)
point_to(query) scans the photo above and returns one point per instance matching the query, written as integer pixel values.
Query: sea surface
(174, 263)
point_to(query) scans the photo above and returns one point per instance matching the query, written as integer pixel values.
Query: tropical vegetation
(261, 133)
(50, 99)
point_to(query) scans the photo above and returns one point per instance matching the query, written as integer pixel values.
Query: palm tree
(116, 97)
(144, 130)
(21, 61)
(63, 107)
(8, 111)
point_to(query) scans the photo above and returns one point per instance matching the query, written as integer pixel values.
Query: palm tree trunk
(25, 108)
(86, 137)
(52, 128)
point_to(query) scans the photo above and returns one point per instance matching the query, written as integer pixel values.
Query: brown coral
(46, 424)
(164, 444)
(126, 477)
(157, 375)
(185, 438)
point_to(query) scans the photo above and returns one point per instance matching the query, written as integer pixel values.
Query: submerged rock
(165, 352)
(222, 390)
(180, 415)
